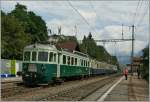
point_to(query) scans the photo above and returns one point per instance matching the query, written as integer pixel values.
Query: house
(70, 46)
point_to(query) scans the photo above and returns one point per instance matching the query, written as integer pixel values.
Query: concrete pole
(132, 52)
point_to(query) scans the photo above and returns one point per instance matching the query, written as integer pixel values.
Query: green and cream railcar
(43, 64)
(74, 64)
(99, 67)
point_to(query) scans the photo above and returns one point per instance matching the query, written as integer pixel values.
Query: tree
(145, 62)
(34, 25)
(98, 52)
(20, 28)
(20, 12)
(13, 37)
(90, 35)
(37, 27)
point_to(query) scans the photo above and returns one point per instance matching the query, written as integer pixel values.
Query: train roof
(52, 47)
(40, 46)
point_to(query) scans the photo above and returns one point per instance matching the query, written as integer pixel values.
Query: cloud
(88, 15)
(105, 19)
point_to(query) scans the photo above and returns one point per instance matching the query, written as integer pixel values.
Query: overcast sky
(104, 20)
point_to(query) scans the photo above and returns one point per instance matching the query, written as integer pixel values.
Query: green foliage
(89, 46)
(13, 37)
(34, 25)
(98, 52)
(20, 28)
(145, 69)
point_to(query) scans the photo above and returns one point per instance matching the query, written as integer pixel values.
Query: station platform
(132, 89)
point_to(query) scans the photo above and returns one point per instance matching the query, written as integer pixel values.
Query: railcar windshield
(33, 56)
(27, 56)
(43, 56)
(51, 56)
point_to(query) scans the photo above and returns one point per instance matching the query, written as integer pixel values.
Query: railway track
(72, 90)
(79, 93)
(14, 88)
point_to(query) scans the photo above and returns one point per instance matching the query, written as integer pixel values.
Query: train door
(58, 65)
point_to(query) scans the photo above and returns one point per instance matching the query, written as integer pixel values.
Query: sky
(103, 19)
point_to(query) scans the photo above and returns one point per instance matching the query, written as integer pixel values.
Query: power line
(135, 14)
(142, 17)
(81, 16)
(90, 2)
(92, 6)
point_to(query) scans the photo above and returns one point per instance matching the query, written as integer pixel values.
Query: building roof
(71, 46)
(137, 59)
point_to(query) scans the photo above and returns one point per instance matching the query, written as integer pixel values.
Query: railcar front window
(72, 61)
(75, 61)
(68, 60)
(51, 56)
(34, 56)
(54, 57)
(27, 56)
(81, 62)
(43, 56)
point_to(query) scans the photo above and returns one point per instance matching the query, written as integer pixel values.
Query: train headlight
(32, 68)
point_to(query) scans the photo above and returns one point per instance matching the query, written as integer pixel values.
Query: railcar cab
(36, 60)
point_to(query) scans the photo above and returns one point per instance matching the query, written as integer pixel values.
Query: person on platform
(125, 73)
(138, 72)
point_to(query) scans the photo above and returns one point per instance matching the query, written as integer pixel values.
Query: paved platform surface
(97, 94)
(133, 89)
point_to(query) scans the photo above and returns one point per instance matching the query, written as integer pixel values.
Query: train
(44, 64)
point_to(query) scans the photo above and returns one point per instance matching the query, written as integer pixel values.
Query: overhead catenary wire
(92, 6)
(142, 17)
(81, 16)
(136, 10)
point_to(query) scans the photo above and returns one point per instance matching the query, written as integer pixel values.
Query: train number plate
(32, 68)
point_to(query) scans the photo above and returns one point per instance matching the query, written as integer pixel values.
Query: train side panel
(68, 71)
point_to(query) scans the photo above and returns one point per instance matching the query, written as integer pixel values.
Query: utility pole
(122, 31)
(59, 30)
(132, 52)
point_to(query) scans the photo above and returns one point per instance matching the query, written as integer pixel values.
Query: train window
(88, 63)
(33, 56)
(75, 61)
(68, 62)
(43, 56)
(51, 56)
(54, 57)
(64, 59)
(72, 61)
(81, 62)
(27, 56)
